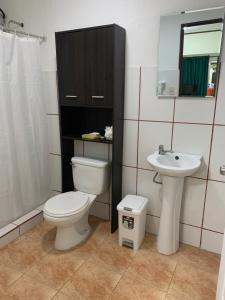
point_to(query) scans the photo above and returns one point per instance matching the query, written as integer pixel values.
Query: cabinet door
(99, 66)
(70, 48)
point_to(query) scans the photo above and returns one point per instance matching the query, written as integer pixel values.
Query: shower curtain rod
(42, 38)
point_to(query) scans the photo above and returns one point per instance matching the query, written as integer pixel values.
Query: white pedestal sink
(172, 167)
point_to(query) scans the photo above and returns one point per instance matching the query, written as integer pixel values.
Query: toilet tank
(90, 176)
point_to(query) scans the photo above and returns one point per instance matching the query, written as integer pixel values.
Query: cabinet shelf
(72, 137)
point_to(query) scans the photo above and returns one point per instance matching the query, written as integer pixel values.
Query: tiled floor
(99, 269)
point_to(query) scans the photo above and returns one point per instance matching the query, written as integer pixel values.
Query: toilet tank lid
(89, 162)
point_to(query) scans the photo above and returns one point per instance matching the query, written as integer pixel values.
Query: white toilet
(69, 211)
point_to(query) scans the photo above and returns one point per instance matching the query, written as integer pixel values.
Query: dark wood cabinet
(91, 64)
(85, 64)
(71, 68)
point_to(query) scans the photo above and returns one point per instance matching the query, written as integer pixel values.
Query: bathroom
(99, 268)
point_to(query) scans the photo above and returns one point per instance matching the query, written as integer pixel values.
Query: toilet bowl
(69, 211)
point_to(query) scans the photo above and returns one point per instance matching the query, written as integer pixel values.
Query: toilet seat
(66, 204)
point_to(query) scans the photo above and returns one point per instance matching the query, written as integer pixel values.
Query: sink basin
(175, 164)
(173, 168)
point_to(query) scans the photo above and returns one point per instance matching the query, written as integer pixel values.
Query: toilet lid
(66, 204)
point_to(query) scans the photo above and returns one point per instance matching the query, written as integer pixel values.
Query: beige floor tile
(100, 232)
(193, 284)
(44, 231)
(22, 253)
(132, 286)
(55, 268)
(198, 258)
(154, 267)
(94, 280)
(8, 276)
(27, 289)
(61, 296)
(116, 257)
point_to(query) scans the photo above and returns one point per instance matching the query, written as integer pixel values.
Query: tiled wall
(189, 125)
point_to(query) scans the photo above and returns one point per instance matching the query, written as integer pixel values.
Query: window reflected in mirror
(199, 57)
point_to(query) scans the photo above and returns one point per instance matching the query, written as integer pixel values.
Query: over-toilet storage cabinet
(90, 68)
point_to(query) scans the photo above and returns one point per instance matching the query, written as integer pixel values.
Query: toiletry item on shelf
(92, 136)
(108, 133)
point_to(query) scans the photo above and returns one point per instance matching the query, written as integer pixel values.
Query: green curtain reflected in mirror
(194, 76)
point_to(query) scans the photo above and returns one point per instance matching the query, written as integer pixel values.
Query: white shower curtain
(23, 140)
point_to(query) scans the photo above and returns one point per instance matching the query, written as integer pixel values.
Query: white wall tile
(53, 134)
(104, 198)
(214, 218)
(96, 150)
(130, 143)
(193, 201)
(151, 135)
(147, 188)
(190, 235)
(100, 210)
(193, 139)
(41, 207)
(6, 229)
(50, 91)
(78, 148)
(31, 223)
(212, 241)
(11, 236)
(194, 110)
(220, 108)
(153, 108)
(55, 172)
(129, 181)
(26, 217)
(217, 154)
(131, 102)
(52, 194)
(152, 224)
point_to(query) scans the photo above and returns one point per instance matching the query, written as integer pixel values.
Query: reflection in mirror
(189, 53)
(199, 55)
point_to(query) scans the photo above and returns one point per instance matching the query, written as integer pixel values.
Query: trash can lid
(133, 204)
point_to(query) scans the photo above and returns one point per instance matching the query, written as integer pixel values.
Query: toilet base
(70, 236)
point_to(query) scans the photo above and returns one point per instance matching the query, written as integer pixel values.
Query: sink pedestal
(168, 238)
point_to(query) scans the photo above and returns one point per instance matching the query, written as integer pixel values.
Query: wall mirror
(189, 53)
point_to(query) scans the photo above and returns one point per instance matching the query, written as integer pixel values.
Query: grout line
(151, 170)
(139, 108)
(19, 225)
(210, 153)
(191, 225)
(174, 108)
(171, 122)
(215, 180)
(52, 114)
(219, 124)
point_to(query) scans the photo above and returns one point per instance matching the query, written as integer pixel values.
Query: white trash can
(132, 219)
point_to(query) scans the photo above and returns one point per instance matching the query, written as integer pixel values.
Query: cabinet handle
(222, 170)
(97, 97)
(71, 96)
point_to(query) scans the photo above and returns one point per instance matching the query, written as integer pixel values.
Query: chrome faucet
(162, 151)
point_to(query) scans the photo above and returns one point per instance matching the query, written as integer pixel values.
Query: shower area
(23, 125)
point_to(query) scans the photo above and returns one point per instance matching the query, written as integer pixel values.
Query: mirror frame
(198, 23)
